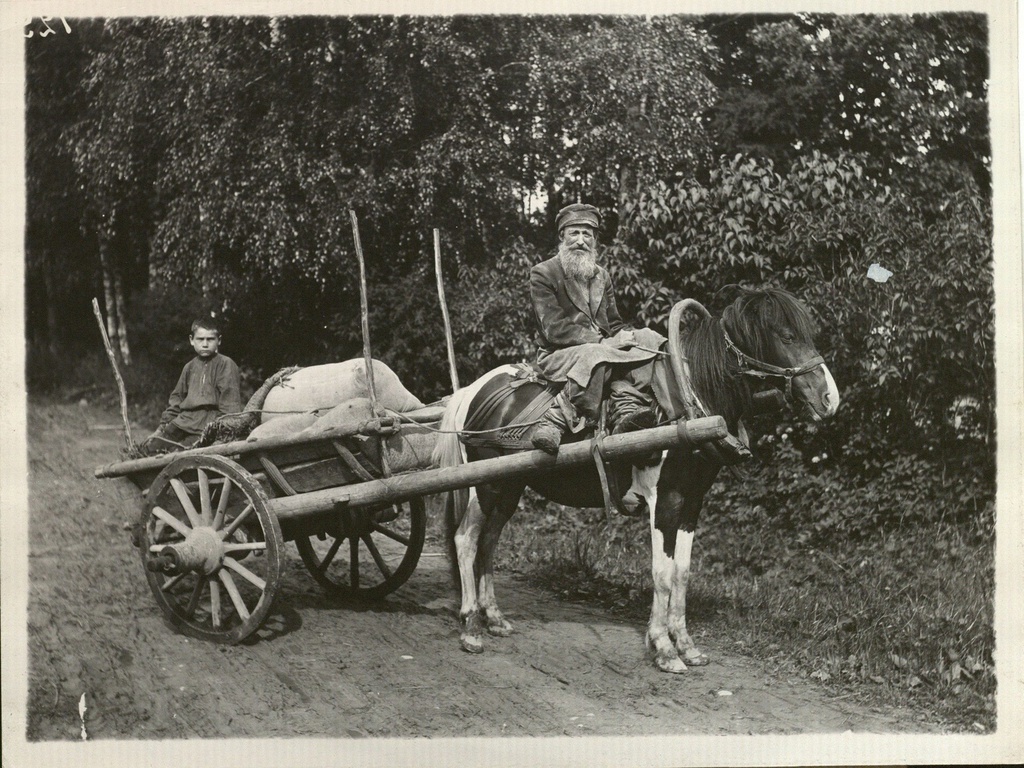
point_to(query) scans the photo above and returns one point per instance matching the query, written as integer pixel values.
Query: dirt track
(328, 670)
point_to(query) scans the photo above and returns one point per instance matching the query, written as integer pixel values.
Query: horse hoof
(695, 658)
(471, 644)
(500, 629)
(673, 665)
(633, 505)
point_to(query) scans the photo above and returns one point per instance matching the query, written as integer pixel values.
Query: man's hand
(624, 339)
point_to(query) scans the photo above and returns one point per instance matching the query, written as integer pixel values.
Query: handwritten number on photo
(47, 29)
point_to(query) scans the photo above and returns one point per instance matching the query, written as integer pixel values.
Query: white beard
(579, 264)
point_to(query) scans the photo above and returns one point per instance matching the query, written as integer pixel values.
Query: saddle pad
(494, 395)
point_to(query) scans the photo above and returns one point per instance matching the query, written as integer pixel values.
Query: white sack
(286, 425)
(321, 387)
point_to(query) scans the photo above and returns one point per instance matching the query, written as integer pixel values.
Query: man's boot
(630, 416)
(641, 418)
(547, 435)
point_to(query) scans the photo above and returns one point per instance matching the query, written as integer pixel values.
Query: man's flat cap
(578, 214)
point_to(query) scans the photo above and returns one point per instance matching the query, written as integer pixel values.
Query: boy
(208, 386)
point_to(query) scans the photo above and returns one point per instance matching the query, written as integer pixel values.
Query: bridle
(751, 366)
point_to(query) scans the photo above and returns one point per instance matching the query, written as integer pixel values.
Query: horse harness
(751, 366)
(511, 436)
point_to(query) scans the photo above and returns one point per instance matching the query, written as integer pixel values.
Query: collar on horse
(751, 366)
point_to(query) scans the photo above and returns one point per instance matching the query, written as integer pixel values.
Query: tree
(55, 269)
(907, 91)
(906, 351)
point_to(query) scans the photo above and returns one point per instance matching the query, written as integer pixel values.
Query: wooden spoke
(205, 506)
(193, 601)
(186, 502)
(353, 562)
(171, 520)
(234, 594)
(375, 554)
(215, 603)
(222, 503)
(210, 490)
(167, 585)
(244, 572)
(251, 546)
(329, 557)
(394, 535)
(395, 547)
(233, 525)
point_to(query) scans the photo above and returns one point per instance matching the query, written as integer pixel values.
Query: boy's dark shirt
(205, 389)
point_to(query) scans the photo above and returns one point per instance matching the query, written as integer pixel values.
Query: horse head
(769, 334)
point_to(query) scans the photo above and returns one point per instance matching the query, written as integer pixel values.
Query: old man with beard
(583, 340)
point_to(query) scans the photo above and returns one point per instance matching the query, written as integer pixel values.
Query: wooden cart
(213, 526)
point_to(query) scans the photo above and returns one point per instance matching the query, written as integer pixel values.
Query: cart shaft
(431, 481)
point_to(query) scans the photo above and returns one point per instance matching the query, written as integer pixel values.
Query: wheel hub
(202, 551)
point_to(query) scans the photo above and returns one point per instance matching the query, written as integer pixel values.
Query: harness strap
(605, 472)
(512, 435)
(751, 366)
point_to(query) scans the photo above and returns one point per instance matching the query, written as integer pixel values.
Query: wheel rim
(366, 555)
(211, 548)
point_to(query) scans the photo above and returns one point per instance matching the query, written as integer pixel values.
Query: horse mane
(750, 321)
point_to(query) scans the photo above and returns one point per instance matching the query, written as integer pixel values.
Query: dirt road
(329, 670)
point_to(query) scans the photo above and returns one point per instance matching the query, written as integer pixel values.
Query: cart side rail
(385, 426)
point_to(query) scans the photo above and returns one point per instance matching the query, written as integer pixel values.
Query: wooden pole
(240, 449)
(364, 316)
(444, 312)
(128, 440)
(430, 481)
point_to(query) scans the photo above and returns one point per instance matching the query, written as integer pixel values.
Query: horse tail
(450, 452)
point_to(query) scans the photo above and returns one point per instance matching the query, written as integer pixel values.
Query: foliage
(905, 362)
(224, 153)
(907, 91)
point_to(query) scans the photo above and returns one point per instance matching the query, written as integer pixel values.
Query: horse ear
(730, 292)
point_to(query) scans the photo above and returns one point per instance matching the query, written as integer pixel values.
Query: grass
(900, 617)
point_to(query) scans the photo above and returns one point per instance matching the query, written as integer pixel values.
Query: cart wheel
(367, 554)
(211, 548)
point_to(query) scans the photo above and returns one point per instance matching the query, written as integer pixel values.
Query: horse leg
(502, 507)
(645, 481)
(685, 646)
(467, 538)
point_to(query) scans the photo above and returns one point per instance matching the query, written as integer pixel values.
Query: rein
(751, 366)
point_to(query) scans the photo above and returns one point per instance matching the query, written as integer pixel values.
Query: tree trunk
(122, 320)
(109, 302)
(113, 298)
(627, 177)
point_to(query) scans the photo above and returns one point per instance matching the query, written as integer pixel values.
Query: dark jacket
(567, 315)
(205, 389)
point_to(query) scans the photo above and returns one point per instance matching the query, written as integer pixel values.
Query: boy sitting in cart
(208, 387)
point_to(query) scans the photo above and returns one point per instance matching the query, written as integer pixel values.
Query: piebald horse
(764, 340)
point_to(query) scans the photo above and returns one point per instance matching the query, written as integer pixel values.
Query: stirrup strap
(609, 483)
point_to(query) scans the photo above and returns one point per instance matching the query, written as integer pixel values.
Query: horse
(761, 342)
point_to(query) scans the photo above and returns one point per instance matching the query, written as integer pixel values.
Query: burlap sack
(286, 425)
(325, 386)
(351, 413)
